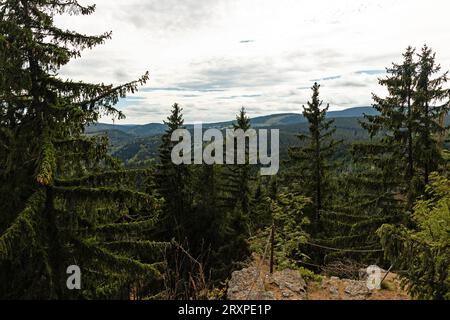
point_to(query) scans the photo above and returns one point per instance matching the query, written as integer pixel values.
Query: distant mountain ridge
(274, 120)
(138, 145)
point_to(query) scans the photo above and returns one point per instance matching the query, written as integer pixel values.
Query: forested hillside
(138, 145)
(141, 149)
(365, 186)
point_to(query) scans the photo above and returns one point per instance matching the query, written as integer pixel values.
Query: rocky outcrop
(251, 284)
(345, 289)
(289, 283)
(256, 283)
(247, 284)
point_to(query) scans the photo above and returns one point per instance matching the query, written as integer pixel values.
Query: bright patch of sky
(214, 56)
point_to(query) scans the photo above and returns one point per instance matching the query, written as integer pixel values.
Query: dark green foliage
(206, 214)
(289, 224)
(432, 103)
(64, 201)
(375, 189)
(396, 121)
(363, 204)
(139, 152)
(390, 170)
(238, 176)
(313, 165)
(260, 216)
(424, 252)
(409, 121)
(235, 185)
(173, 182)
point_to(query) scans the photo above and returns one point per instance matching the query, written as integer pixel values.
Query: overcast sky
(214, 56)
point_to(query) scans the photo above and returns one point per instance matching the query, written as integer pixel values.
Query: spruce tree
(313, 165)
(423, 252)
(260, 214)
(391, 169)
(64, 201)
(431, 103)
(235, 198)
(209, 223)
(173, 181)
(239, 175)
(405, 132)
(376, 189)
(396, 123)
(366, 201)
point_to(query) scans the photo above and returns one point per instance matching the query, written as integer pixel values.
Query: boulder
(356, 290)
(253, 285)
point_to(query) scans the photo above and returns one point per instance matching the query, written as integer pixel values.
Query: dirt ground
(391, 290)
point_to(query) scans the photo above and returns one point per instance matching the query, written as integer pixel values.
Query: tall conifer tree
(406, 130)
(239, 175)
(392, 169)
(174, 181)
(396, 123)
(236, 195)
(432, 101)
(377, 189)
(313, 158)
(64, 201)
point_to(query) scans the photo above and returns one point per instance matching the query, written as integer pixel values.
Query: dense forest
(353, 191)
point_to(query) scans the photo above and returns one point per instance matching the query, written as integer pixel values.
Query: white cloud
(213, 56)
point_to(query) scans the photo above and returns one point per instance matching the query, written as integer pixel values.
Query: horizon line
(224, 121)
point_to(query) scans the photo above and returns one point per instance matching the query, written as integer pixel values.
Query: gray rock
(291, 280)
(357, 289)
(242, 284)
(248, 284)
